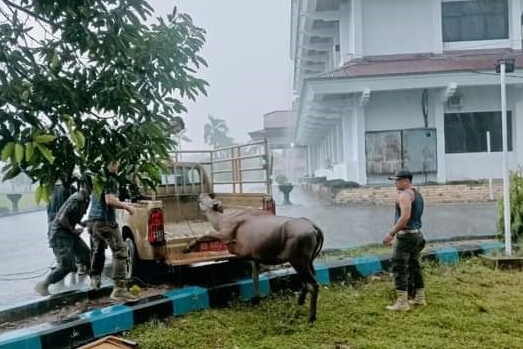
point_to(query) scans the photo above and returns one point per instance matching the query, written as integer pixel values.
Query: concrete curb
(11, 214)
(86, 327)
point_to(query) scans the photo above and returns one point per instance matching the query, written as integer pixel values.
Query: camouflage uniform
(68, 246)
(105, 233)
(59, 196)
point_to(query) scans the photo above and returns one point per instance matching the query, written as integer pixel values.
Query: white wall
(396, 110)
(399, 26)
(480, 99)
(402, 109)
(476, 165)
(481, 165)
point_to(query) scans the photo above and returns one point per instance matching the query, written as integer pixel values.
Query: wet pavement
(24, 253)
(25, 258)
(355, 225)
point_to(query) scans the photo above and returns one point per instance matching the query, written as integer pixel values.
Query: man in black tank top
(409, 243)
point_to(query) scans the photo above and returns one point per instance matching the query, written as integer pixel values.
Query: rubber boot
(402, 303)
(43, 288)
(419, 299)
(96, 282)
(121, 294)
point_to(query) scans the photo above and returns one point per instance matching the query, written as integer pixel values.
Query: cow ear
(217, 207)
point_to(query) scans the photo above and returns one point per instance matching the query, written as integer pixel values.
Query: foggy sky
(250, 71)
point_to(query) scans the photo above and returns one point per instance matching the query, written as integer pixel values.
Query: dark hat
(402, 174)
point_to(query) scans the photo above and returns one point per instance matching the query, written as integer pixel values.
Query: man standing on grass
(409, 243)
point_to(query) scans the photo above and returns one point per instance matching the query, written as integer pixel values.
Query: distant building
(389, 84)
(279, 128)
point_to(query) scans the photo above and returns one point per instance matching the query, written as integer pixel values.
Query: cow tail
(319, 243)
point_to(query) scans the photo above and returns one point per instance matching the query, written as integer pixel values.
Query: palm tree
(216, 133)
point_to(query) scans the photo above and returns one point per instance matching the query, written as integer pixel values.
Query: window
(467, 132)
(475, 20)
(182, 176)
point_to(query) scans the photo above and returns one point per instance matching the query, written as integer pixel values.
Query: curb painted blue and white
(84, 328)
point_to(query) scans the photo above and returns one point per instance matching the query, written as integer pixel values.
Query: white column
(345, 33)
(439, 117)
(359, 134)
(333, 145)
(356, 29)
(339, 129)
(328, 143)
(437, 33)
(517, 125)
(322, 156)
(515, 24)
(314, 155)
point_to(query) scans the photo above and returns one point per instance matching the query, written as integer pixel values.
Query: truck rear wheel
(131, 267)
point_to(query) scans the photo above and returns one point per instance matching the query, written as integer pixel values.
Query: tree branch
(26, 11)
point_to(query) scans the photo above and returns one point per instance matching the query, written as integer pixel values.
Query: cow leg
(314, 289)
(256, 282)
(303, 294)
(307, 274)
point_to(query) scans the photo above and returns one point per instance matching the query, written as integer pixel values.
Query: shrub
(281, 179)
(516, 208)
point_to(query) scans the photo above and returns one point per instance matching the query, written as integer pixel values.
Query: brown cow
(263, 238)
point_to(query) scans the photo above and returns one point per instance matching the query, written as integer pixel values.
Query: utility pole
(505, 66)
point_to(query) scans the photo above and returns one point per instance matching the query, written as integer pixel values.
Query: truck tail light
(155, 232)
(271, 206)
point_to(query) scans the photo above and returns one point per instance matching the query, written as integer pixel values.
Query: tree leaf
(12, 173)
(46, 193)
(80, 139)
(44, 139)
(19, 152)
(45, 152)
(8, 151)
(98, 186)
(38, 194)
(29, 151)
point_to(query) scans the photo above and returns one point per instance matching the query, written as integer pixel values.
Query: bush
(516, 208)
(316, 180)
(281, 179)
(340, 184)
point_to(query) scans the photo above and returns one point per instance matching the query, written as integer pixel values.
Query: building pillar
(334, 151)
(439, 117)
(437, 33)
(345, 33)
(359, 135)
(339, 130)
(515, 9)
(356, 29)
(346, 121)
(517, 121)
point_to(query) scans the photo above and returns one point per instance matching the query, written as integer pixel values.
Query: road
(23, 245)
(356, 225)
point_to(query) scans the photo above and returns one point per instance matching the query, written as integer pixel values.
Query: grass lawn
(470, 306)
(26, 202)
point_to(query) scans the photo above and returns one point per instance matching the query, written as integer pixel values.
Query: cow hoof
(312, 320)
(255, 300)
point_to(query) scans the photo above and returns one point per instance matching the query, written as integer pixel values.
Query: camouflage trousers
(68, 249)
(106, 234)
(406, 264)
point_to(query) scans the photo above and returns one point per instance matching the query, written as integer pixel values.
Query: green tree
(84, 82)
(216, 133)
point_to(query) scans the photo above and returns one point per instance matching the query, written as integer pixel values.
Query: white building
(386, 84)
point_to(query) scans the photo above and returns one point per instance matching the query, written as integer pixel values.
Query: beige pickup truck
(161, 228)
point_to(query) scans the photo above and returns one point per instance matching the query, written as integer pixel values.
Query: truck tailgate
(179, 234)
